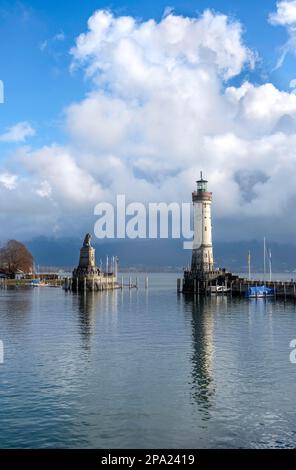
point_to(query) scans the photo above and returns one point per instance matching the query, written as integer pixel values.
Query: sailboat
(261, 291)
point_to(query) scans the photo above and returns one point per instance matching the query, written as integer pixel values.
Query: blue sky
(38, 83)
(141, 112)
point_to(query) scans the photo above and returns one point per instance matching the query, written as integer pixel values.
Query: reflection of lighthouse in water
(203, 311)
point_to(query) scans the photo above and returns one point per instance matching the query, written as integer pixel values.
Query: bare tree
(15, 257)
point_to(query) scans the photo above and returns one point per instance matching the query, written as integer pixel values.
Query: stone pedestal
(87, 257)
(87, 276)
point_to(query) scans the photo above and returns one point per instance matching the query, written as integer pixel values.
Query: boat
(255, 292)
(38, 283)
(259, 292)
(219, 290)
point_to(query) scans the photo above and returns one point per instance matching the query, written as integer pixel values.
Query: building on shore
(87, 276)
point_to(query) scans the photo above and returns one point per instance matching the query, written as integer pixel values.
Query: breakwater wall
(238, 287)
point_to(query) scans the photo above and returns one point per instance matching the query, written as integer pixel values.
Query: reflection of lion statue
(87, 240)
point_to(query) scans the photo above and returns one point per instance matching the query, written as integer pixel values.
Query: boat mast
(270, 273)
(249, 265)
(264, 258)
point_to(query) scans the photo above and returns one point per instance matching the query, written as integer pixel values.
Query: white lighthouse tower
(202, 254)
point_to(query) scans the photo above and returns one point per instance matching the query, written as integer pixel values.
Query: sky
(135, 98)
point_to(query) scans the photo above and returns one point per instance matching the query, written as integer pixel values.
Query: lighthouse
(202, 254)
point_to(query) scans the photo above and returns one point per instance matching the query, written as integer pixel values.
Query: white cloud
(44, 190)
(148, 50)
(8, 180)
(17, 133)
(159, 110)
(60, 36)
(285, 14)
(49, 43)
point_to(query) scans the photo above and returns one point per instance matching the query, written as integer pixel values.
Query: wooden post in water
(285, 292)
(178, 285)
(197, 287)
(194, 286)
(294, 290)
(84, 284)
(147, 282)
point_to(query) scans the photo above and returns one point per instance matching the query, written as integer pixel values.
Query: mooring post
(84, 284)
(194, 286)
(130, 282)
(178, 285)
(285, 292)
(197, 287)
(294, 290)
(147, 282)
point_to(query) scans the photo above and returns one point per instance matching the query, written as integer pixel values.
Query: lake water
(145, 369)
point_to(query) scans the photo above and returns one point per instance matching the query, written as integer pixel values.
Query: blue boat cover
(259, 291)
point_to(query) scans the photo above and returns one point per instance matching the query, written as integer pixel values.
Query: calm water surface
(145, 369)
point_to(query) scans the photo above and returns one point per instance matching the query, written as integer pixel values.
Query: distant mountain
(153, 254)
